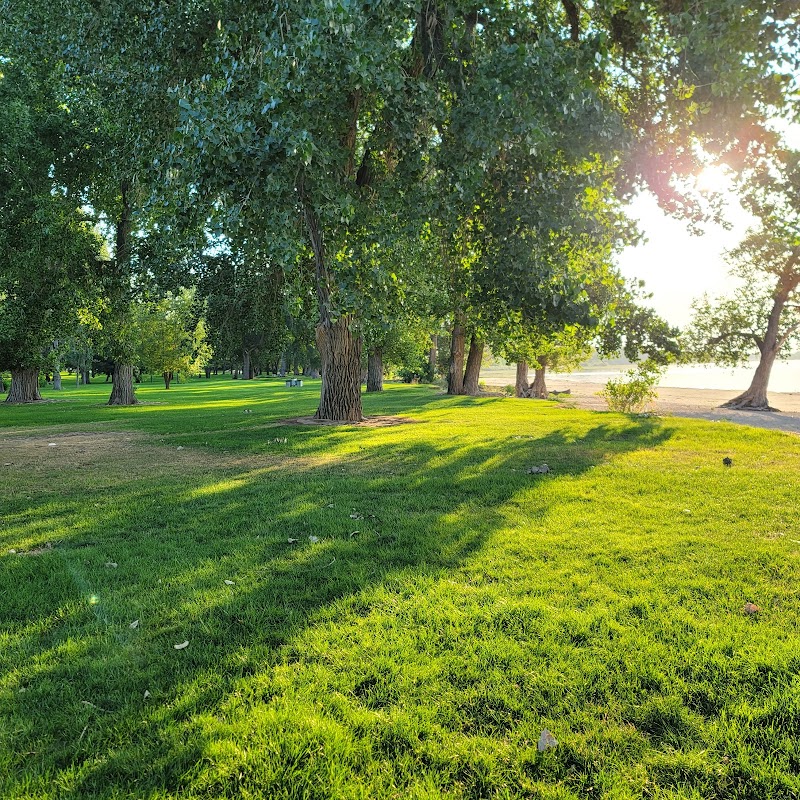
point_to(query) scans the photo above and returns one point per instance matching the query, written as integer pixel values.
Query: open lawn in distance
(393, 612)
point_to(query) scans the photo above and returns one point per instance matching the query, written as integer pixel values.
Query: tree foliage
(48, 251)
(763, 315)
(171, 339)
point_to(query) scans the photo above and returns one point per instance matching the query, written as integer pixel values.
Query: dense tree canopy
(335, 137)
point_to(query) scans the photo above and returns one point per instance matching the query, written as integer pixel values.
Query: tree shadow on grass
(211, 563)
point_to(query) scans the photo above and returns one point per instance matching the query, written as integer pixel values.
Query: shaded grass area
(452, 607)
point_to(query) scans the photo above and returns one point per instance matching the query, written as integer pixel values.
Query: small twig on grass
(92, 705)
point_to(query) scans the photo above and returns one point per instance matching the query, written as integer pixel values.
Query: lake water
(785, 376)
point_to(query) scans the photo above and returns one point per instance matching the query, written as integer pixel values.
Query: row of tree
(354, 169)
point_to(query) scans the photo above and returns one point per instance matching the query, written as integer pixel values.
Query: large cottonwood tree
(49, 254)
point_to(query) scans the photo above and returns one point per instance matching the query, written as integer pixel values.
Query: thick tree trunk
(455, 373)
(339, 348)
(246, 367)
(539, 387)
(24, 386)
(755, 398)
(375, 370)
(521, 386)
(433, 356)
(57, 378)
(167, 379)
(122, 393)
(340, 351)
(473, 371)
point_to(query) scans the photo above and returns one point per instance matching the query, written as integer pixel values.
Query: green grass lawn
(393, 612)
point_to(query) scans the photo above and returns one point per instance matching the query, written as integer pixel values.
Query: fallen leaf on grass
(229, 583)
(750, 609)
(134, 624)
(112, 564)
(313, 539)
(52, 444)
(92, 705)
(330, 505)
(180, 447)
(182, 645)
(354, 533)
(146, 694)
(543, 469)
(292, 541)
(546, 741)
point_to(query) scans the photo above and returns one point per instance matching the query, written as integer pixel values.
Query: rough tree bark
(455, 373)
(375, 370)
(339, 348)
(24, 386)
(122, 393)
(167, 379)
(57, 378)
(472, 373)
(521, 386)
(539, 387)
(340, 353)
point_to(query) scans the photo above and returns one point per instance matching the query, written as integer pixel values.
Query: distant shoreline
(785, 376)
(697, 403)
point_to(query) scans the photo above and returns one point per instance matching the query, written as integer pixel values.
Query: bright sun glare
(714, 178)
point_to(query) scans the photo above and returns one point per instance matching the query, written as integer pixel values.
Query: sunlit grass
(437, 607)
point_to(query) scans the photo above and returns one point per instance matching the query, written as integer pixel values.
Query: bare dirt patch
(367, 422)
(47, 462)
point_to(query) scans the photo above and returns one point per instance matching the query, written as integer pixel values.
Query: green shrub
(632, 392)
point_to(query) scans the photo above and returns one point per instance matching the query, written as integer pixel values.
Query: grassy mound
(393, 611)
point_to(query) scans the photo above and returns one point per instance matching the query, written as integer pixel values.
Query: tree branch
(714, 340)
(786, 334)
(573, 15)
